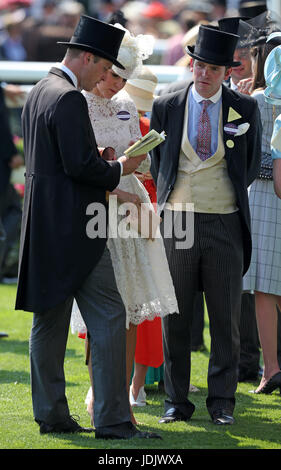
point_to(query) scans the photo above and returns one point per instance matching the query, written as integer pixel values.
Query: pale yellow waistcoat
(205, 184)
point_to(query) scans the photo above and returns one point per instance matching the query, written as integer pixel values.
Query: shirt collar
(232, 85)
(198, 98)
(69, 72)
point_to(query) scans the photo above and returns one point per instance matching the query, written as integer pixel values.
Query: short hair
(74, 52)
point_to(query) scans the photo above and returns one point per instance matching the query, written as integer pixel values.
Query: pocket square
(242, 129)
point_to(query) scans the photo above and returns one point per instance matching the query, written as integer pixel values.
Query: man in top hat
(66, 179)
(210, 155)
(242, 49)
(252, 8)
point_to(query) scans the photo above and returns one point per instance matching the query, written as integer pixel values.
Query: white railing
(26, 74)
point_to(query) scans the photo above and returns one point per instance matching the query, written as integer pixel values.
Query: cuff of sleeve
(275, 153)
(121, 168)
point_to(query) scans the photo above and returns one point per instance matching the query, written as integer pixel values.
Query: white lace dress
(140, 265)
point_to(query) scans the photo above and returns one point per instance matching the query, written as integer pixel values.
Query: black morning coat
(7, 148)
(64, 174)
(243, 158)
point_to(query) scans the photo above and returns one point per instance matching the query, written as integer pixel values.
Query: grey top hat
(100, 38)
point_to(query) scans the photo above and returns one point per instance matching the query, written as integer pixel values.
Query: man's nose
(205, 72)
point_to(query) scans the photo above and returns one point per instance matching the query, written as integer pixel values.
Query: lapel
(231, 113)
(175, 115)
(60, 73)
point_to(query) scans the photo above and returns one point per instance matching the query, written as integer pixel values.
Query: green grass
(257, 426)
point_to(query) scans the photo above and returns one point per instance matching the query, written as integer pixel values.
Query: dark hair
(260, 53)
(74, 52)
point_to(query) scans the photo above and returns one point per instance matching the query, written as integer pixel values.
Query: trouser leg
(249, 339)
(47, 351)
(222, 263)
(103, 311)
(183, 265)
(197, 339)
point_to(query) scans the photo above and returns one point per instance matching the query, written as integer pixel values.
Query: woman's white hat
(141, 89)
(132, 52)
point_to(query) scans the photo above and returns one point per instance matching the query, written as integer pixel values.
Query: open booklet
(145, 143)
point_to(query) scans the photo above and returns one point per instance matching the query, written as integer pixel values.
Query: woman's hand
(143, 176)
(245, 86)
(124, 196)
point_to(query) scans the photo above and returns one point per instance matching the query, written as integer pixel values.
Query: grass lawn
(257, 426)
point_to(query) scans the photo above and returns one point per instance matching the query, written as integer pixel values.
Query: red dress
(149, 347)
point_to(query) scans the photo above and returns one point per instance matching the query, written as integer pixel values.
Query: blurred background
(30, 29)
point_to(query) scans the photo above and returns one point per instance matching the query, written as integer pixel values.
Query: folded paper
(145, 143)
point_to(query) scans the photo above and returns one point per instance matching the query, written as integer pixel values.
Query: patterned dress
(264, 273)
(140, 265)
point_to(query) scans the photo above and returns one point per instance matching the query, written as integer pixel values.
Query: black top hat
(214, 47)
(100, 38)
(231, 24)
(240, 26)
(252, 7)
(266, 23)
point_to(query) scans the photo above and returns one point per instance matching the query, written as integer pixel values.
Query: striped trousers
(214, 264)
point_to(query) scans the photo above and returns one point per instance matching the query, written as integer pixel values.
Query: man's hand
(131, 164)
(14, 93)
(109, 154)
(16, 161)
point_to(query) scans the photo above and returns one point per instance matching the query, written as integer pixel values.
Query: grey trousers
(213, 264)
(104, 314)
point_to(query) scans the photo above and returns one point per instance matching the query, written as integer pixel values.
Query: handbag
(266, 167)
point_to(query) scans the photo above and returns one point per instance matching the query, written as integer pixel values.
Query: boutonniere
(235, 130)
(242, 129)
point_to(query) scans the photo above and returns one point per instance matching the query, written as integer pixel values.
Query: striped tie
(204, 133)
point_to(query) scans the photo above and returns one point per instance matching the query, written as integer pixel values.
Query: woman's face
(110, 85)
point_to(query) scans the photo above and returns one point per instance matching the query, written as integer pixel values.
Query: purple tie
(203, 148)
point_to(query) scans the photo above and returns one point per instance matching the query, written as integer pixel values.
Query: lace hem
(137, 314)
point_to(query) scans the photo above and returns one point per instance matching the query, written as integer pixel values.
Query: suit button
(171, 187)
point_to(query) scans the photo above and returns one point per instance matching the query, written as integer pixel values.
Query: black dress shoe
(222, 416)
(70, 425)
(124, 431)
(3, 335)
(271, 385)
(172, 415)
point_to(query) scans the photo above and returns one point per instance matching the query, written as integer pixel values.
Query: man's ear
(87, 57)
(228, 72)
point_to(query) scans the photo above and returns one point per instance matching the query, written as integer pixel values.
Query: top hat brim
(210, 60)
(93, 50)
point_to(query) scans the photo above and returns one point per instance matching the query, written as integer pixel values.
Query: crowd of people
(215, 183)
